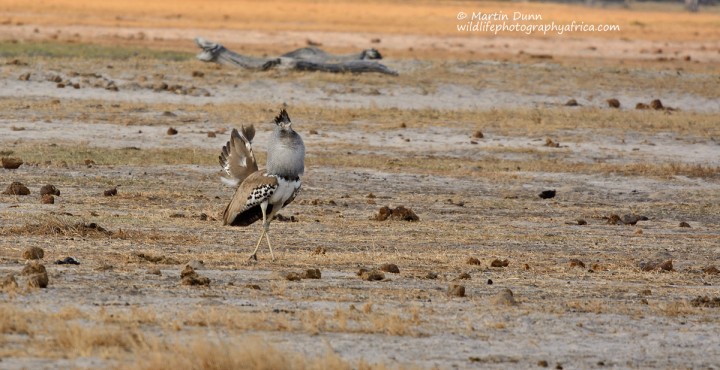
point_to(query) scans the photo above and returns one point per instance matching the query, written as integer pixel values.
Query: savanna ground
(372, 140)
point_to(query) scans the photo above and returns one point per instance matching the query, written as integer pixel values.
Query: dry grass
(395, 17)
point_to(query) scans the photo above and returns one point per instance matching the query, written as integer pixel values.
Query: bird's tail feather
(237, 158)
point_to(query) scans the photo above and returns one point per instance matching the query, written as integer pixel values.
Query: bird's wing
(244, 208)
(237, 158)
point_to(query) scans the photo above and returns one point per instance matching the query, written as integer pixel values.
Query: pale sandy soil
(408, 141)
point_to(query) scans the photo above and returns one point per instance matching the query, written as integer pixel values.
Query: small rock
(390, 267)
(11, 163)
(630, 219)
(712, 270)
(172, 131)
(456, 290)
(154, 271)
(110, 192)
(47, 199)
(312, 274)
(684, 224)
(17, 188)
(574, 262)
(371, 275)
(67, 261)
(547, 194)
(526, 266)
(613, 103)
(473, 261)
(33, 253)
(478, 134)
(49, 189)
(498, 263)
(489, 282)
(504, 298)
(571, 103)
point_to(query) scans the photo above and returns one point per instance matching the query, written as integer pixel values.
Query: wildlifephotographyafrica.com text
(497, 22)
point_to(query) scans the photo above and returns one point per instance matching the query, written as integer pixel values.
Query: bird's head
(283, 120)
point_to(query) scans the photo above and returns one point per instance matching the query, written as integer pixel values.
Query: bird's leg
(263, 208)
(267, 237)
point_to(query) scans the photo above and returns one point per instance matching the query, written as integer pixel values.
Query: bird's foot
(253, 257)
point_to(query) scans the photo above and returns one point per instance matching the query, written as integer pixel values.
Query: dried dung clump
(33, 253)
(155, 259)
(188, 276)
(371, 275)
(47, 199)
(390, 267)
(110, 192)
(499, 263)
(552, 144)
(657, 266)
(712, 270)
(292, 276)
(613, 103)
(705, 301)
(684, 224)
(656, 104)
(8, 282)
(49, 189)
(642, 106)
(172, 131)
(473, 261)
(312, 274)
(571, 103)
(478, 134)
(504, 298)
(400, 213)
(463, 276)
(547, 194)
(456, 290)
(17, 188)
(574, 262)
(11, 163)
(37, 275)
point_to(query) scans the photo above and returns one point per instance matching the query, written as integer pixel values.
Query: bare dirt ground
(468, 136)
